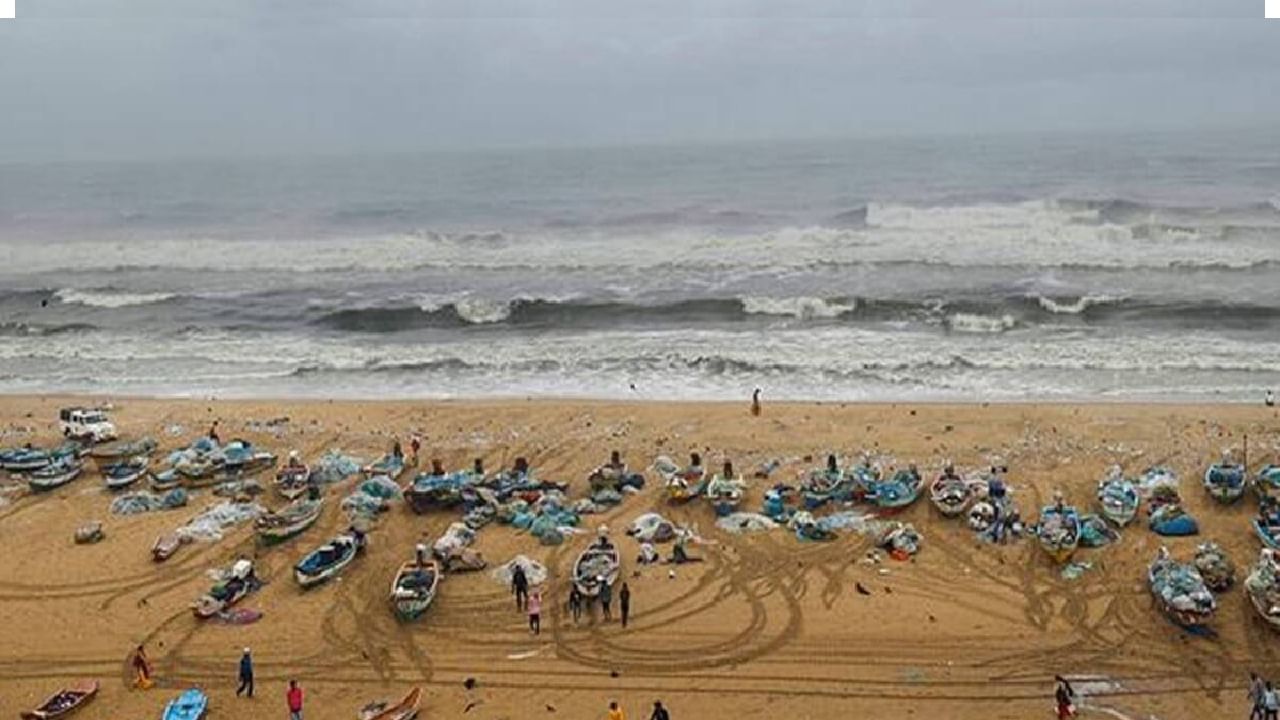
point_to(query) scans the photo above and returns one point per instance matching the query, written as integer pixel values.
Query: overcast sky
(156, 78)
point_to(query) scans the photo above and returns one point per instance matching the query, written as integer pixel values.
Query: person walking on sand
(659, 712)
(615, 712)
(1256, 688)
(535, 612)
(246, 675)
(294, 698)
(575, 603)
(1270, 702)
(520, 587)
(606, 597)
(624, 603)
(755, 403)
(142, 669)
(1064, 697)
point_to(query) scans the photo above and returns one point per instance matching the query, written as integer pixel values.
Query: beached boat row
(193, 704)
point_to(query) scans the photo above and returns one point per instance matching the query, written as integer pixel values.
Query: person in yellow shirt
(615, 712)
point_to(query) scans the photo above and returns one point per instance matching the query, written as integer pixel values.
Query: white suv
(87, 424)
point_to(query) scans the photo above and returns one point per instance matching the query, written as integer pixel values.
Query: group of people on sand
(659, 711)
(1264, 700)
(529, 600)
(144, 679)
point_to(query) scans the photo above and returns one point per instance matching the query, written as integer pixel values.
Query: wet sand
(766, 627)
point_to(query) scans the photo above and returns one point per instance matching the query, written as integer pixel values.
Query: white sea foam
(1076, 306)
(799, 307)
(110, 298)
(977, 323)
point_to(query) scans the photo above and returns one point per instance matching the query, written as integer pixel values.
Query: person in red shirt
(294, 696)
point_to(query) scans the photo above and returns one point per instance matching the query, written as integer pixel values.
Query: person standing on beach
(1269, 399)
(1271, 702)
(1256, 688)
(606, 597)
(575, 603)
(246, 675)
(414, 446)
(659, 712)
(397, 451)
(142, 669)
(624, 603)
(755, 403)
(615, 712)
(535, 612)
(213, 433)
(1064, 697)
(294, 698)
(520, 587)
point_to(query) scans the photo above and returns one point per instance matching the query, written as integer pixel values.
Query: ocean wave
(107, 298)
(1076, 306)
(975, 323)
(803, 308)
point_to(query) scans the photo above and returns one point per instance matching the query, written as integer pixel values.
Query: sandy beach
(766, 627)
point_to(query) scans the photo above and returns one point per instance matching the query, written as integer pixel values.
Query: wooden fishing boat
(292, 519)
(165, 546)
(951, 494)
(1267, 483)
(898, 491)
(413, 588)
(292, 481)
(1224, 482)
(1059, 532)
(125, 473)
(596, 565)
(326, 561)
(55, 474)
(122, 449)
(1118, 499)
(406, 709)
(192, 704)
(1180, 592)
(64, 702)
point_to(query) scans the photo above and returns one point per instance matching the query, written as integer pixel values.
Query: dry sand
(767, 627)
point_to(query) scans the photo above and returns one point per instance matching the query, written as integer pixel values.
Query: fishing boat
(863, 477)
(1215, 567)
(326, 561)
(1118, 499)
(192, 704)
(390, 465)
(1267, 482)
(64, 702)
(56, 474)
(428, 491)
(413, 588)
(122, 474)
(1225, 482)
(123, 449)
(725, 493)
(1059, 531)
(681, 484)
(823, 485)
(1262, 587)
(28, 459)
(165, 546)
(294, 518)
(293, 481)
(597, 565)
(896, 493)
(951, 494)
(1180, 591)
(1156, 477)
(406, 709)
(239, 583)
(1266, 525)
